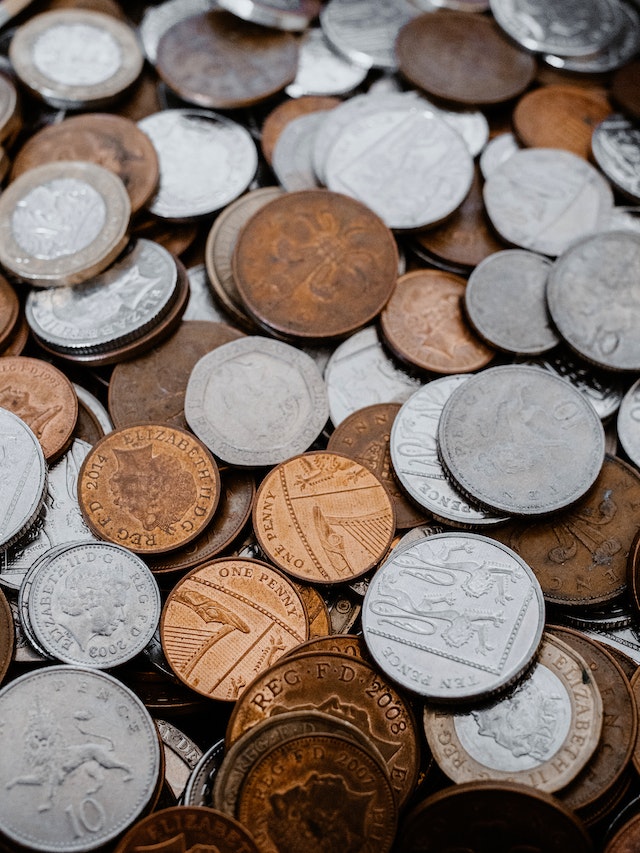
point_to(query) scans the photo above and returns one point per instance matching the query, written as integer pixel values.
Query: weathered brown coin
(343, 686)
(228, 620)
(88, 428)
(324, 518)
(9, 312)
(343, 644)
(187, 828)
(317, 612)
(627, 838)
(17, 341)
(633, 574)
(43, 397)
(318, 791)
(560, 116)
(108, 140)
(580, 556)
(423, 324)
(625, 88)
(151, 388)
(364, 436)
(177, 237)
(151, 488)
(462, 58)
(286, 112)
(324, 278)
(627, 664)
(232, 63)
(7, 635)
(635, 688)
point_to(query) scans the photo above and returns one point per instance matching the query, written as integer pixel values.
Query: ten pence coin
(228, 620)
(323, 518)
(151, 488)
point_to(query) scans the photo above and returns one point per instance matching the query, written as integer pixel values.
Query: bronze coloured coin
(17, 341)
(323, 518)
(9, 312)
(625, 88)
(633, 575)
(317, 611)
(343, 644)
(364, 436)
(627, 838)
(465, 59)
(232, 63)
(347, 688)
(424, 325)
(635, 687)
(7, 635)
(176, 237)
(228, 620)
(43, 397)
(111, 141)
(288, 111)
(88, 428)
(151, 488)
(315, 264)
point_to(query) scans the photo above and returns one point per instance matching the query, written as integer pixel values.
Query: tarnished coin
(322, 70)
(282, 14)
(9, 311)
(615, 144)
(60, 724)
(308, 283)
(228, 620)
(85, 210)
(520, 440)
(541, 733)
(323, 518)
(7, 635)
(317, 611)
(256, 401)
(151, 488)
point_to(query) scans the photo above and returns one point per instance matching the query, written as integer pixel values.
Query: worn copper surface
(17, 341)
(177, 237)
(319, 619)
(287, 111)
(9, 311)
(625, 88)
(7, 636)
(88, 426)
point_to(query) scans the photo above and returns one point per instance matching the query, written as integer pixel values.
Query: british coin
(199, 788)
(206, 161)
(7, 635)
(201, 304)
(624, 89)
(9, 110)
(322, 70)
(292, 161)
(9, 311)
(496, 152)
(628, 423)
(343, 644)
(520, 440)
(98, 410)
(87, 211)
(316, 609)
(615, 144)
(181, 756)
(176, 237)
(23, 651)
(626, 838)
(156, 20)
(541, 733)
(294, 15)
(88, 427)
(228, 620)
(23, 601)
(151, 488)
(635, 689)
(97, 721)
(323, 518)
(280, 117)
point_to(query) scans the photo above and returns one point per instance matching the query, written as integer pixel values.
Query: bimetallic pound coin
(454, 617)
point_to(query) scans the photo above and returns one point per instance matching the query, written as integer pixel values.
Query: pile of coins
(319, 440)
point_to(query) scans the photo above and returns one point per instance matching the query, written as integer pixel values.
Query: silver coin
(199, 787)
(256, 401)
(628, 423)
(414, 454)
(521, 440)
(593, 299)
(472, 125)
(565, 27)
(360, 373)
(407, 165)
(24, 478)
(623, 219)
(496, 152)
(156, 20)
(505, 302)
(322, 71)
(206, 161)
(615, 144)
(23, 600)
(201, 304)
(96, 408)
(181, 756)
(454, 617)
(292, 159)
(81, 759)
(76, 58)
(23, 651)
(544, 199)
(288, 15)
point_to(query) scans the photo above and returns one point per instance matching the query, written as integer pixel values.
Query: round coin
(286, 112)
(615, 144)
(283, 14)
(628, 423)
(321, 70)
(9, 311)
(7, 635)
(625, 90)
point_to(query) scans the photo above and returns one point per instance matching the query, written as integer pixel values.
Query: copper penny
(227, 621)
(625, 88)
(423, 324)
(232, 63)
(323, 518)
(318, 791)
(319, 619)
(7, 636)
(364, 436)
(627, 838)
(151, 388)
(187, 828)
(108, 140)
(627, 664)
(176, 237)
(315, 264)
(151, 488)
(9, 311)
(635, 687)
(286, 112)
(344, 644)
(88, 427)
(234, 508)
(580, 556)
(43, 397)
(347, 688)
(560, 116)
(18, 338)
(465, 59)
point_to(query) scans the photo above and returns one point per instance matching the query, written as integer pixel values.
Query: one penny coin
(302, 261)
(228, 620)
(151, 488)
(287, 112)
(317, 611)
(324, 518)
(9, 311)
(7, 635)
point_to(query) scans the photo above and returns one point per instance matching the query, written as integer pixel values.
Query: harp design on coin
(367, 530)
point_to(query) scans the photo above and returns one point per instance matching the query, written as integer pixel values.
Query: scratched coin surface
(453, 617)
(323, 517)
(229, 620)
(151, 488)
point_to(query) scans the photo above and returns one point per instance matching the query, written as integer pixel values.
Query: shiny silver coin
(615, 144)
(81, 759)
(322, 71)
(414, 454)
(256, 401)
(23, 600)
(496, 152)
(543, 199)
(206, 161)
(288, 15)
(455, 617)
(628, 423)
(521, 440)
(199, 788)
(292, 158)
(156, 20)
(94, 604)
(505, 302)
(472, 125)
(593, 299)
